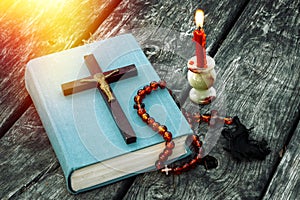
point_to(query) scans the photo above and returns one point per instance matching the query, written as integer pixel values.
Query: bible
(78, 111)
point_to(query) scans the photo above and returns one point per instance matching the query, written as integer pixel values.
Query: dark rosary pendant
(241, 146)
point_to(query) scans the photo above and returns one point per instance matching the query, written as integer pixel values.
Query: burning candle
(200, 39)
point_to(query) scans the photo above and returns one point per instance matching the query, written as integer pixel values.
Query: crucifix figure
(104, 86)
(101, 80)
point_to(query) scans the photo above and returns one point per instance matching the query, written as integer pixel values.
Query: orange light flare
(32, 28)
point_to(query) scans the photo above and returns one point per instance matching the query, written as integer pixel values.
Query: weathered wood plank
(25, 154)
(31, 29)
(258, 73)
(55, 179)
(30, 170)
(286, 181)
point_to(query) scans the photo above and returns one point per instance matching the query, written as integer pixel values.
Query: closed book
(81, 127)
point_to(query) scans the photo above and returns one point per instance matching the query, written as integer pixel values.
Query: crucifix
(166, 170)
(101, 80)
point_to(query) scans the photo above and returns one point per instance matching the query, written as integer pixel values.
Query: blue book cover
(81, 129)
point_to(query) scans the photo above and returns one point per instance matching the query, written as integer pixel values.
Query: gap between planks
(277, 164)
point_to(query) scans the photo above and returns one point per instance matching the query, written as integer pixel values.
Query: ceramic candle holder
(202, 80)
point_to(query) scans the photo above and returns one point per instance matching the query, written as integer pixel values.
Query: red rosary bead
(155, 126)
(167, 136)
(141, 111)
(162, 157)
(141, 93)
(147, 89)
(177, 170)
(205, 118)
(198, 143)
(154, 85)
(193, 162)
(150, 121)
(162, 84)
(170, 145)
(137, 99)
(228, 120)
(167, 152)
(159, 164)
(162, 129)
(185, 167)
(145, 117)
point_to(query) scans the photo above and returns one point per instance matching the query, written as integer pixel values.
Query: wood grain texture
(164, 29)
(258, 79)
(30, 169)
(25, 154)
(55, 181)
(29, 31)
(286, 181)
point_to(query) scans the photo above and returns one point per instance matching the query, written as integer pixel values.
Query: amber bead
(177, 170)
(167, 152)
(170, 145)
(145, 117)
(193, 162)
(162, 157)
(198, 143)
(205, 118)
(154, 85)
(147, 89)
(141, 93)
(155, 126)
(185, 167)
(162, 84)
(150, 121)
(137, 99)
(159, 164)
(141, 111)
(195, 138)
(167, 136)
(162, 129)
(228, 120)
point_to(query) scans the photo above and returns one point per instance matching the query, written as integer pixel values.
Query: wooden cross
(101, 80)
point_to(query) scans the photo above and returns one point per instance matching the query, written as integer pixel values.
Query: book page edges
(118, 168)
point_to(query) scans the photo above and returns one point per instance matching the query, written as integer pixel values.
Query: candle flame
(199, 18)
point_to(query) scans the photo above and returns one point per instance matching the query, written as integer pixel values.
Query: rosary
(258, 149)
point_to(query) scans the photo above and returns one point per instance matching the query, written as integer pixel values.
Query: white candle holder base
(202, 80)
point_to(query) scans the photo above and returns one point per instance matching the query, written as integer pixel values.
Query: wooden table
(256, 47)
